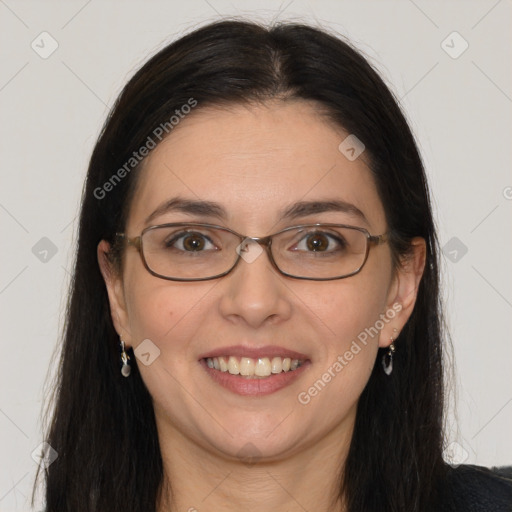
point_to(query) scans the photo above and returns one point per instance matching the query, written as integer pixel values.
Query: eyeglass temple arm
(378, 239)
(135, 241)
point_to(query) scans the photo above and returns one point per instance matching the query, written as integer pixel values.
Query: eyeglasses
(200, 252)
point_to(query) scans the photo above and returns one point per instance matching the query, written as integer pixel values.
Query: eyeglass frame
(265, 242)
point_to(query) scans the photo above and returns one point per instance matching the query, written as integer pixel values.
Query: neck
(199, 480)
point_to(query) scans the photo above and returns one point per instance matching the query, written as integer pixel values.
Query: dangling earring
(125, 368)
(387, 359)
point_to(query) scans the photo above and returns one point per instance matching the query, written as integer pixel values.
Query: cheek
(347, 309)
(350, 315)
(167, 314)
(333, 386)
(354, 318)
(151, 312)
(160, 310)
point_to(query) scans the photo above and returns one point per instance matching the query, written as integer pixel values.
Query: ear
(403, 292)
(115, 290)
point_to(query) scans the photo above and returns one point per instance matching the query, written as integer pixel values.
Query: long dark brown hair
(102, 425)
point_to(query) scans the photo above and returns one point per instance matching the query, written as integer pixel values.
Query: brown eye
(193, 243)
(190, 242)
(317, 242)
(321, 242)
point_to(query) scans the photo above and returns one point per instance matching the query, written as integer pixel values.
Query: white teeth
(263, 368)
(223, 364)
(233, 366)
(253, 368)
(277, 365)
(246, 366)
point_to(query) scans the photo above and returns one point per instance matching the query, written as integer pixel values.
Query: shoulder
(475, 489)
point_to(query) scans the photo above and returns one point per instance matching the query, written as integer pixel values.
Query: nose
(254, 292)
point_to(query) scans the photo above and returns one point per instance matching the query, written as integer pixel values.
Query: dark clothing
(469, 488)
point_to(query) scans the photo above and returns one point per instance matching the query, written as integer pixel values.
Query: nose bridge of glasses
(250, 249)
(263, 241)
(260, 244)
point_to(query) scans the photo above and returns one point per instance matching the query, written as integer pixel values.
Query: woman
(255, 318)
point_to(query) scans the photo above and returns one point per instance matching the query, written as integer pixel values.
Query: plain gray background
(458, 101)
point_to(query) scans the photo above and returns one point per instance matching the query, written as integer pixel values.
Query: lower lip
(254, 387)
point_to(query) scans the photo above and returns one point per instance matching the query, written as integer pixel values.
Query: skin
(255, 161)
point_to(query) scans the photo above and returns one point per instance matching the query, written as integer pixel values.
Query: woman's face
(255, 162)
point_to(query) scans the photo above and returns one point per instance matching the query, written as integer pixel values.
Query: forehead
(256, 161)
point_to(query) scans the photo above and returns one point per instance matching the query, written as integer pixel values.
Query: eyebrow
(292, 212)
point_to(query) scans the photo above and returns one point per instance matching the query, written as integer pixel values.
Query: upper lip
(254, 352)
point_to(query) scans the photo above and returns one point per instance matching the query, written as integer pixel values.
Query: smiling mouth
(253, 368)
